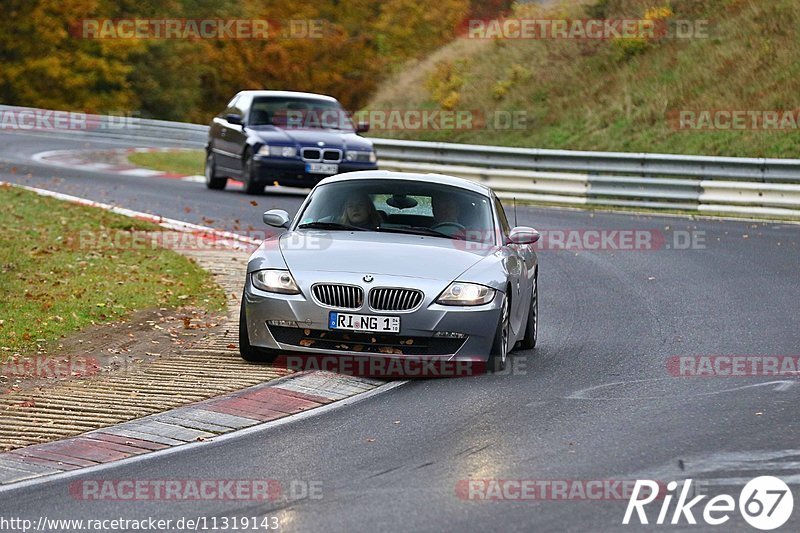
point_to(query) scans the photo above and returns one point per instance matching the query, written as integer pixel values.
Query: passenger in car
(359, 211)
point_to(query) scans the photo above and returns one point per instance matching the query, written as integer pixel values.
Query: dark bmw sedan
(285, 138)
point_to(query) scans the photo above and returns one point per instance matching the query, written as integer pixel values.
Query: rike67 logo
(765, 503)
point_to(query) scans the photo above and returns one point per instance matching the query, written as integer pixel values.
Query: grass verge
(64, 267)
(617, 94)
(189, 162)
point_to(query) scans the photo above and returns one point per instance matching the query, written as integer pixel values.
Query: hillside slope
(620, 94)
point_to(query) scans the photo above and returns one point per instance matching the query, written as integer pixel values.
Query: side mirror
(277, 218)
(233, 118)
(523, 235)
(362, 127)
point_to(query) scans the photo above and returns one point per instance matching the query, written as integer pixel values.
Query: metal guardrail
(755, 186)
(721, 185)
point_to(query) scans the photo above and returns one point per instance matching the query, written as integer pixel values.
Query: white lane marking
(726, 463)
(144, 172)
(44, 157)
(97, 166)
(197, 444)
(106, 137)
(76, 159)
(585, 394)
(784, 385)
(793, 479)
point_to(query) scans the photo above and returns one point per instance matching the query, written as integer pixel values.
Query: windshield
(299, 113)
(417, 208)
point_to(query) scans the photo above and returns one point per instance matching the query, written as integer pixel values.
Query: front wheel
(499, 355)
(532, 329)
(213, 181)
(252, 354)
(251, 184)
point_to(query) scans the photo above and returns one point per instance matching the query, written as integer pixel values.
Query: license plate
(322, 168)
(370, 323)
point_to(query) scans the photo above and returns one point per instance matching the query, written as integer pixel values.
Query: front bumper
(304, 320)
(292, 172)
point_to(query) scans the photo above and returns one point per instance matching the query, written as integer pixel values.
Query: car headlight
(361, 156)
(460, 293)
(275, 281)
(278, 151)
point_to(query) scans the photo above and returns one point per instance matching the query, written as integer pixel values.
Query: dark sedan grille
(311, 154)
(332, 155)
(387, 299)
(339, 296)
(326, 156)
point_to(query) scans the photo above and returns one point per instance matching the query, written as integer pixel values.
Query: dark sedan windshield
(417, 208)
(299, 113)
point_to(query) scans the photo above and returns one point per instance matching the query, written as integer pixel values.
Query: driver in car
(359, 211)
(453, 218)
(447, 215)
(445, 210)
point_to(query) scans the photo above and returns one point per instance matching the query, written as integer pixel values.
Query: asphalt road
(594, 401)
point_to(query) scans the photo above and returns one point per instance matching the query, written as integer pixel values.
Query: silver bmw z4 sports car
(381, 264)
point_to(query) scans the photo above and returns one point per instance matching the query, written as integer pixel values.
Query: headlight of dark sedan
(278, 151)
(361, 156)
(461, 293)
(280, 281)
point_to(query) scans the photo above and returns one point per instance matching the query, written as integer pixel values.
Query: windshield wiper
(329, 225)
(419, 230)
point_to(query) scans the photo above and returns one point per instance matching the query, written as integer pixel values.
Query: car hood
(379, 253)
(311, 137)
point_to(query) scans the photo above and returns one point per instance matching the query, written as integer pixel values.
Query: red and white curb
(98, 161)
(252, 409)
(88, 160)
(256, 408)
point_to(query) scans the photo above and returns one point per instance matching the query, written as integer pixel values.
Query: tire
(251, 184)
(250, 353)
(532, 328)
(213, 181)
(500, 347)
